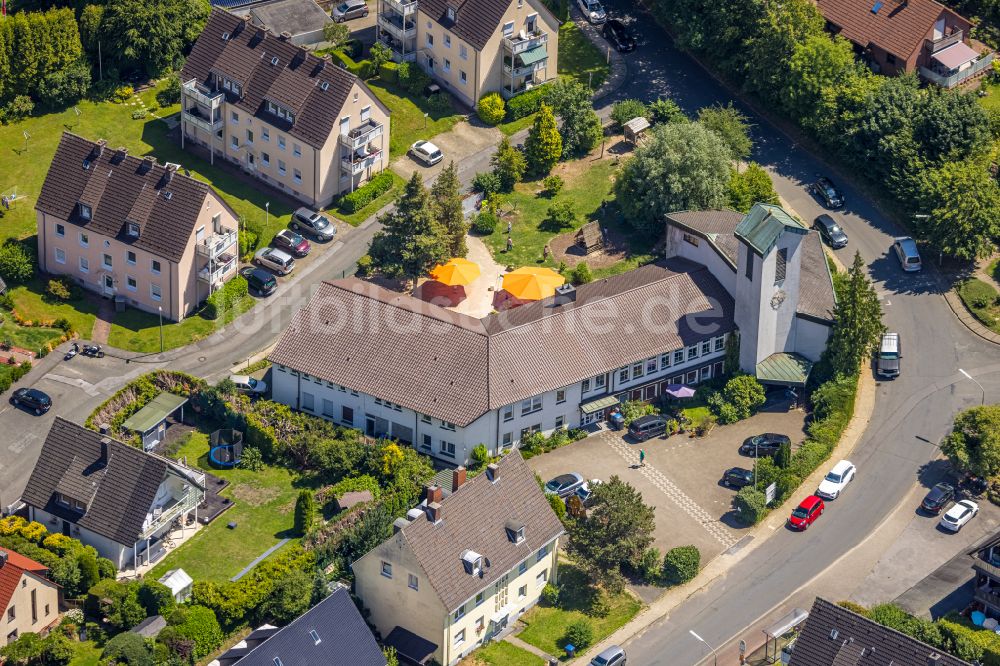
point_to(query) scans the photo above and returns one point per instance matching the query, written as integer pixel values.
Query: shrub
(198, 625)
(248, 242)
(650, 565)
(681, 564)
(89, 573)
(106, 568)
(550, 595)
(579, 634)
(484, 224)
(62, 289)
(599, 604)
(252, 460)
(365, 262)
(633, 409)
(16, 263)
(389, 72)
(665, 111)
(558, 506)
(625, 110)
(751, 505)
(854, 608)
(439, 103)
(58, 650)
(491, 109)
(367, 193)
(17, 109)
(559, 216)
(783, 458)
(305, 512)
(526, 103)
(171, 93)
(581, 274)
(155, 597)
(234, 291)
(486, 182)
(63, 324)
(122, 94)
(553, 184)
(139, 114)
(413, 79)
(128, 648)
(739, 399)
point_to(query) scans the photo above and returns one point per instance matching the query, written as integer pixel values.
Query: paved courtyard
(681, 478)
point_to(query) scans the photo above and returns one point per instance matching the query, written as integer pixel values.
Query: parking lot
(681, 477)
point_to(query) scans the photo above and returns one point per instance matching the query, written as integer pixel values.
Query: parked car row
(287, 245)
(960, 513)
(830, 488)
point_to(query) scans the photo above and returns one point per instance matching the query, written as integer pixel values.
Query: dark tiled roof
(343, 638)
(122, 485)
(457, 368)
(473, 519)
(292, 16)
(475, 20)
(121, 188)
(899, 26)
(414, 649)
(295, 82)
(816, 295)
(150, 627)
(859, 642)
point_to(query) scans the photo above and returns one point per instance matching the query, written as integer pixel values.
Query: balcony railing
(194, 117)
(517, 44)
(404, 8)
(355, 164)
(216, 244)
(216, 274)
(395, 26)
(525, 70)
(935, 45)
(173, 509)
(953, 80)
(202, 95)
(361, 136)
(507, 93)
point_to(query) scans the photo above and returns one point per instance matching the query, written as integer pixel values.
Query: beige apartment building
(474, 47)
(28, 600)
(127, 227)
(463, 566)
(297, 122)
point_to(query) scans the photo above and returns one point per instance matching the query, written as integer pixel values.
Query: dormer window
(280, 111)
(473, 562)
(515, 531)
(451, 13)
(133, 229)
(232, 86)
(69, 502)
(85, 212)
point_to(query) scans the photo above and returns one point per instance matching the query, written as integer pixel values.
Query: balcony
(202, 95)
(216, 244)
(361, 136)
(402, 8)
(164, 514)
(959, 77)
(935, 45)
(199, 119)
(525, 70)
(395, 26)
(507, 92)
(217, 274)
(358, 161)
(525, 41)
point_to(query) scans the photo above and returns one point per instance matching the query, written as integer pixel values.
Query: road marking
(85, 386)
(711, 525)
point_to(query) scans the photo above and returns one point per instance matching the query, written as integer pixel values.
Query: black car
(259, 281)
(830, 231)
(619, 35)
(827, 192)
(647, 427)
(737, 477)
(766, 444)
(32, 400)
(938, 498)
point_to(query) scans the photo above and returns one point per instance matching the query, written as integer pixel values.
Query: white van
(887, 361)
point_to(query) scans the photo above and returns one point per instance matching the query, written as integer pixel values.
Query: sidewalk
(864, 406)
(618, 76)
(517, 642)
(968, 319)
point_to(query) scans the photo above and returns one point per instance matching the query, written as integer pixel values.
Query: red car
(806, 513)
(292, 242)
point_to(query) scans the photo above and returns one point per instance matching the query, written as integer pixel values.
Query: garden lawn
(588, 183)
(86, 653)
(981, 300)
(696, 414)
(263, 504)
(547, 625)
(32, 303)
(992, 99)
(407, 122)
(502, 653)
(139, 331)
(579, 59)
(354, 219)
(26, 337)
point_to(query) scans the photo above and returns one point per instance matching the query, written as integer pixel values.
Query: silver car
(613, 656)
(907, 253)
(318, 225)
(277, 260)
(247, 384)
(593, 10)
(349, 9)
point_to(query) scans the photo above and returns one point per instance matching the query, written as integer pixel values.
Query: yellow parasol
(531, 283)
(456, 272)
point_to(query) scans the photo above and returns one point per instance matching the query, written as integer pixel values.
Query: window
(530, 429)
(460, 638)
(60, 255)
(693, 240)
(531, 405)
(281, 142)
(235, 117)
(424, 418)
(296, 175)
(85, 212)
(542, 578)
(600, 381)
(130, 258)
(307, 401)
(155, 267)
(347, 415)
(387, 569)
(281, 167)
(623, 375)
(720, 343)
(890, 59)
(296, 150)
(448, 425)
(10, 614)
(560, 422)
(463, 52)
(665, 360)
(447, 38)
(131, 283)
(560, 396)
(430, 40)
(327, 408)
(650, 365)
(522, 592)
(637, 370)
(446, 449)
(447, 65)
(266, 159)
(34, 601)
(249, 136)
(60, 230)
(780, 265)
(749, 271)
(107, 261)
(265, 134)
(84, 240)
(133, 229)
(706, 347)
(366, 113)
(234, 142)
(692, 377)
(428, 442)
(679, 356)
(412, 582)
(692, 352)
(460, 613)
(46, 610)
(508, 413)
(522, 567)
(154, 292)
(12, 636)
(84, 265)
(508, 29)
(507, 439)
(542, 552)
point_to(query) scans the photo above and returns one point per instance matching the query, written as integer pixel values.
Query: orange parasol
(531, 283)
(455, 272)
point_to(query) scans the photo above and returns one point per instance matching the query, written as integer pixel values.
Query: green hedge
(11, 373)
(681, 564)
(389, 71)
(222, 300)
(526, 103)
(367, 193)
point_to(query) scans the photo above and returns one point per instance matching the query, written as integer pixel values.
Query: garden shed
(151, 421)
(590, 238)
(635, 128)
(179, 583)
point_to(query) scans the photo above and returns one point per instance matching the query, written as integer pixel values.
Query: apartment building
(474, 47)
(127, 227)
(460, 569)
(295, 121)
(29, 601)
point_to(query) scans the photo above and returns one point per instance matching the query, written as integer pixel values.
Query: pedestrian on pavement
(510, 244)
(545, 253)
(642, 457)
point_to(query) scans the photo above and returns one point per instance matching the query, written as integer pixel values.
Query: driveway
(461, 142)
(681, 478)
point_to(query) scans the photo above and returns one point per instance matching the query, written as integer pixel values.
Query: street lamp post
(160, 308)
(267, 213)
(970, 377)
(715, 655)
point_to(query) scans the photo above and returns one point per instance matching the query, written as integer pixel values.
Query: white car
(426, 152)
(836, 480)
(593, 10)
(247, 384)
(277, 260)
(959, 514)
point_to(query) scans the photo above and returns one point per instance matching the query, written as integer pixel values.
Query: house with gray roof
(297, 122)
(460, 569)
(117, 498)
(129, 228)
(301, 20)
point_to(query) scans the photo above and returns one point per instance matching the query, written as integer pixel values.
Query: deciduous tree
(964, 221)
(581, 128)
(973, 445)
(731, 124)
(151, 35)
(509, 165)
(749, 186)
(543, 147)
(817, 65)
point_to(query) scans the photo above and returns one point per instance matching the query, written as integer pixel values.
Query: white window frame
(131, 287)
(107, 261)
(155, 292)
(60, 255)
(296, 150)
(84, 240)
(508, 29)
(61, 230)
(387, 569)
(265, 134)
(508, 413)
(84, 265)
(531, 405)
(463, 52)
(296, 176)
(413, 582)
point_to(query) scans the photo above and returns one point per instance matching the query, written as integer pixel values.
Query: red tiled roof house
(29, 600)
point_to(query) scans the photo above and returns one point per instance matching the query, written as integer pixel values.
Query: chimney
(101, 143)
(434, 494)
(285, 36)
(457, 478)
(565, 293)
(492, 471)
(399, 524)
(104, 447)
(104, 428)
(121, 153)
(434, 511)
(933, 659)
(148, 163)
(3, 558)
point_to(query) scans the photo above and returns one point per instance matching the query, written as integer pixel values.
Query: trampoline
(226, 448)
